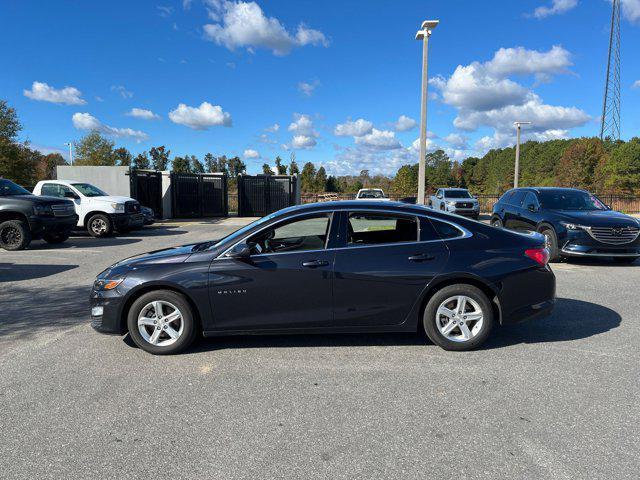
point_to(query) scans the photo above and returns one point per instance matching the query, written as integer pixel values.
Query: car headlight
(42, 210)
(100, 285)
(573, 226)
(118, 207)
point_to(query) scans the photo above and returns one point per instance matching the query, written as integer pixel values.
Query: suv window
(530, 199)
(446, 230)
(516, 198)
(54, 190)
(376, 228)
(297, 235)
(8, 188)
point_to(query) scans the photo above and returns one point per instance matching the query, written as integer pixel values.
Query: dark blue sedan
(574, 222)
(331, 267)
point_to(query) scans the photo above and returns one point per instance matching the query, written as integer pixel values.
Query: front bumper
(127, 220)
(106, 312)
(580, 244)
(39, 226)
(465, 212)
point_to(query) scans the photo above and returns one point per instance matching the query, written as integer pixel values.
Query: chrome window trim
(465, 233)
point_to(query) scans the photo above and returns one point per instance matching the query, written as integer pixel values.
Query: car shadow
(598, 262)
(84, 242)
(571, 320)
(11, 272)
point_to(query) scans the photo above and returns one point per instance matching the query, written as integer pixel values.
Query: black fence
(146, 187)
(199, 195)
(261, 195)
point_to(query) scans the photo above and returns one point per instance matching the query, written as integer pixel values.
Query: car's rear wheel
(161, 322)
(100, 225)
(14, 235)
(458, 317)
(55, 237)
(551, 243)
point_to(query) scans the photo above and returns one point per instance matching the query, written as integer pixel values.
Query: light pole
(516, 174)
(423, 34)
(70, 145)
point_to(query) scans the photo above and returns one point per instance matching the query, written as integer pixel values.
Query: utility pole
(70, 145)
(516, 173)
(610, 126)
(423, 34)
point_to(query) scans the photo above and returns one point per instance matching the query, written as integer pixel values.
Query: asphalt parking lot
(556, 398)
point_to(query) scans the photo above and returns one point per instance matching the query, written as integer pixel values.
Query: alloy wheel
(459, 318)
(160, 323)
(11, 236)
(99, 226)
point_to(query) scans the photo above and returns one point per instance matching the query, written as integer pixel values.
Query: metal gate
(146, 187)
(199, 195)
(261, 195)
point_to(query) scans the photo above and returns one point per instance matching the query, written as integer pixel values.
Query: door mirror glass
(241, 250)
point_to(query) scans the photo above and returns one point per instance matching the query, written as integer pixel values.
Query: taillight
(540, 255)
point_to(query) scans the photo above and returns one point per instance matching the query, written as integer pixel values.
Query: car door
(529, 213)
(512, 210)
(286, 283)
(386, 260)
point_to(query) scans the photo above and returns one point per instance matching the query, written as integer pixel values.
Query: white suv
(98, 212)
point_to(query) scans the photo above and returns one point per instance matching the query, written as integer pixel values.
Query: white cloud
(636, 84)
(42, 92)
(404, 123)
(303, 141)
(379, 140)
(244, 25)
(143, 114)
(121, 89)
(302, 125)
(186, 4)
(164, 11)
(557, 7)
(307, 88)
(86, 121)
(456, 140)
(631, 10)
(353, 129)
(250, 154)
(200, 118)
(520, 61)
(273, 128)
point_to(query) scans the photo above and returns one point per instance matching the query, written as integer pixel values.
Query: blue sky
(338, 83)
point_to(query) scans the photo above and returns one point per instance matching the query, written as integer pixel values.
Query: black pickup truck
(24, 217)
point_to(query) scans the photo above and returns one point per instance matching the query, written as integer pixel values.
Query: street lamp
(516, 174)
(423, 34)
(69, 144)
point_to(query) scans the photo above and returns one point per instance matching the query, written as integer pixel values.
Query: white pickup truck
(455, 200)
(98, 212)
(371, 194)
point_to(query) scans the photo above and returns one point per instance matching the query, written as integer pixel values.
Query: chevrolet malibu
(331, 267)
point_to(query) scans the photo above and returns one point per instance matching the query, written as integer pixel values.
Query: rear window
(372, 229)
(446, 230)
(517, 197)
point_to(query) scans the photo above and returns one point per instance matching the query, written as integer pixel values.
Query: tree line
(588, 163)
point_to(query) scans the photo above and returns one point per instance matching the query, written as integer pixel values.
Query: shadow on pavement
(598, 262)
(15, 273)
(88, 242)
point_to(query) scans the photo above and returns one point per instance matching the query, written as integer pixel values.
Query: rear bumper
(40, 226)
(528, 294)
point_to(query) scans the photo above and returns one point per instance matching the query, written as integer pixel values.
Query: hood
(40, 200)
(166, 255)
(597, 218)
(112, 199)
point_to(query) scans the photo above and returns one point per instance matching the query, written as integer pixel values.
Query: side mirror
(70, 195)
(241, 250)
(531, 207)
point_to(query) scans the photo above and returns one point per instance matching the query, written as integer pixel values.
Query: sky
(335, 83)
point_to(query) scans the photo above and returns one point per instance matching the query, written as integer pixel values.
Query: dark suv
(574, 222)
(24, 217)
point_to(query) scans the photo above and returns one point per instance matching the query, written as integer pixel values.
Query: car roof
(360, 205)
(549, 189)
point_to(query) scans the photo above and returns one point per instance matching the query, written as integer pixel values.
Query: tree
(365, 178)
(94, 150)
(236, 166)
(159, 158)
(123, 157)
(210, 163)
(280, 169)
(266, 169)
(46, 166)
(406, 180)
(308, 178)
(622, 171)
(223, 164)
(181, 165)
(196, 165)
(321, 180)
(9, 124)
(578, 163)
(141, 162)
(293, 165)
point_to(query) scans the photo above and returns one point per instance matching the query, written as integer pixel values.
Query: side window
(51, 189)
(516, 199)
(439, 194)
(446, 230)
(530, 199)
(376, 228)
(297, 235)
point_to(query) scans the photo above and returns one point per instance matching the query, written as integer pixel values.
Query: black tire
(14, 235)
(496, 222)
(189, 327)
(100, 225)
(430, 317)
(55, 238)
(625, 260)
(551, 242)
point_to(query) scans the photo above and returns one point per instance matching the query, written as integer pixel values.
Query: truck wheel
(55, 237)
(100, 225)
(14, 235)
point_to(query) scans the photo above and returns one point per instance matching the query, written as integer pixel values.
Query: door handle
(315, 263)
(421, 257)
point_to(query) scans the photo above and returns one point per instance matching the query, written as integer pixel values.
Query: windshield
(371, 194)
(456, 194)
(7, 188)
(570, 200)
(89, 190)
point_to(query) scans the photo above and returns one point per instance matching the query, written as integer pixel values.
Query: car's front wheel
(458, 317)
(496, 222)
(100, 225)
(162, 322)
(14, 235)
(551, 243)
